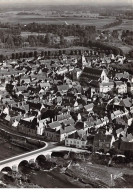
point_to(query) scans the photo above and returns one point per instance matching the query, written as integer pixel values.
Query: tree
(20, 55)
(31, 54)
(35, 54)
(47, 39)
(24, 54)
(46, 53)
(49, 53)
(1, 58)
(62, 40)
(17, 56)
(13, 56)
(42, 53)
(115, 34)
(9, 41)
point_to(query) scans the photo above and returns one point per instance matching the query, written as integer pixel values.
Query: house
(45, 85)
(121, 87)
(130, 87)
(131, 109)
(126, 102)
(117, 114)
(106, 86)
(120, 132)
(82, 128)
(66, 130)
(67, 122)
(105, 120)
(98, 123)
(52, 135)
(55, 125)
(63, 116)
(74, 140)
(89, 107)
(58, 135)
(103, 142)
(28, 126)
(63, 88)
(76, 74)
(62, 71)
(119, 76)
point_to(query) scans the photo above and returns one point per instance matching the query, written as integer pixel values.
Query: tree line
(99, 48)
(112, 24)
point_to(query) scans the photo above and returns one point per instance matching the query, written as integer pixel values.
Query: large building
(93, 74)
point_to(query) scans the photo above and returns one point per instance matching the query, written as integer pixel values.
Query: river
(8, 150)
(43, 178)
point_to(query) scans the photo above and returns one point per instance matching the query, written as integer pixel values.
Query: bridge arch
(40, 159)
(6, 169)
(23, 166)
(23, 162)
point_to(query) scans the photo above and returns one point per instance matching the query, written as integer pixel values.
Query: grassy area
(25, 19)
(97, 172)
(126, 25)
(124, 47)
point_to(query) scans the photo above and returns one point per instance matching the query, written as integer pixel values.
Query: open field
(123, 46)
(12, 17)
(126, 25)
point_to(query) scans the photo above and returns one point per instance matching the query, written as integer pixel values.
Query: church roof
(93, 71)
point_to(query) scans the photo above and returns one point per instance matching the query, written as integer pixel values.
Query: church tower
(82, 61)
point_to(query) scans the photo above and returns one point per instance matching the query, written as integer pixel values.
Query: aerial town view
(66, 94)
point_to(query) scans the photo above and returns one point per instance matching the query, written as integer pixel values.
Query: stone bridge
(14, 162)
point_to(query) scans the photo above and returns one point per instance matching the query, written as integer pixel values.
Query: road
(48, 147)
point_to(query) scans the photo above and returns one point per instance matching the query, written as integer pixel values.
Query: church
(93, 74)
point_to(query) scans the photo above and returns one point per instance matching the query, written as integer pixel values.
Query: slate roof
(68, 122)
(52, 130)
(63, 116)
(93, 71)
(107, 84)
(126, 102)
(74, 136)
(53, 125)
(103, 137)
(89, 106)
(29, 124)
(63, 87)
(67, 129)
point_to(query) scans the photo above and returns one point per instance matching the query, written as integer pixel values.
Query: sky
(50, 2)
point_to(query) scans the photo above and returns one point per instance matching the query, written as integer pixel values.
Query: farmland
(126, 25)
(99, 22)
(13, 17)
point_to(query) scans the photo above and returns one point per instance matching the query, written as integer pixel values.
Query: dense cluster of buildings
(74, 100)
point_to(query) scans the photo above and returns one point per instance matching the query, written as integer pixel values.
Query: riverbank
(64, 172)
